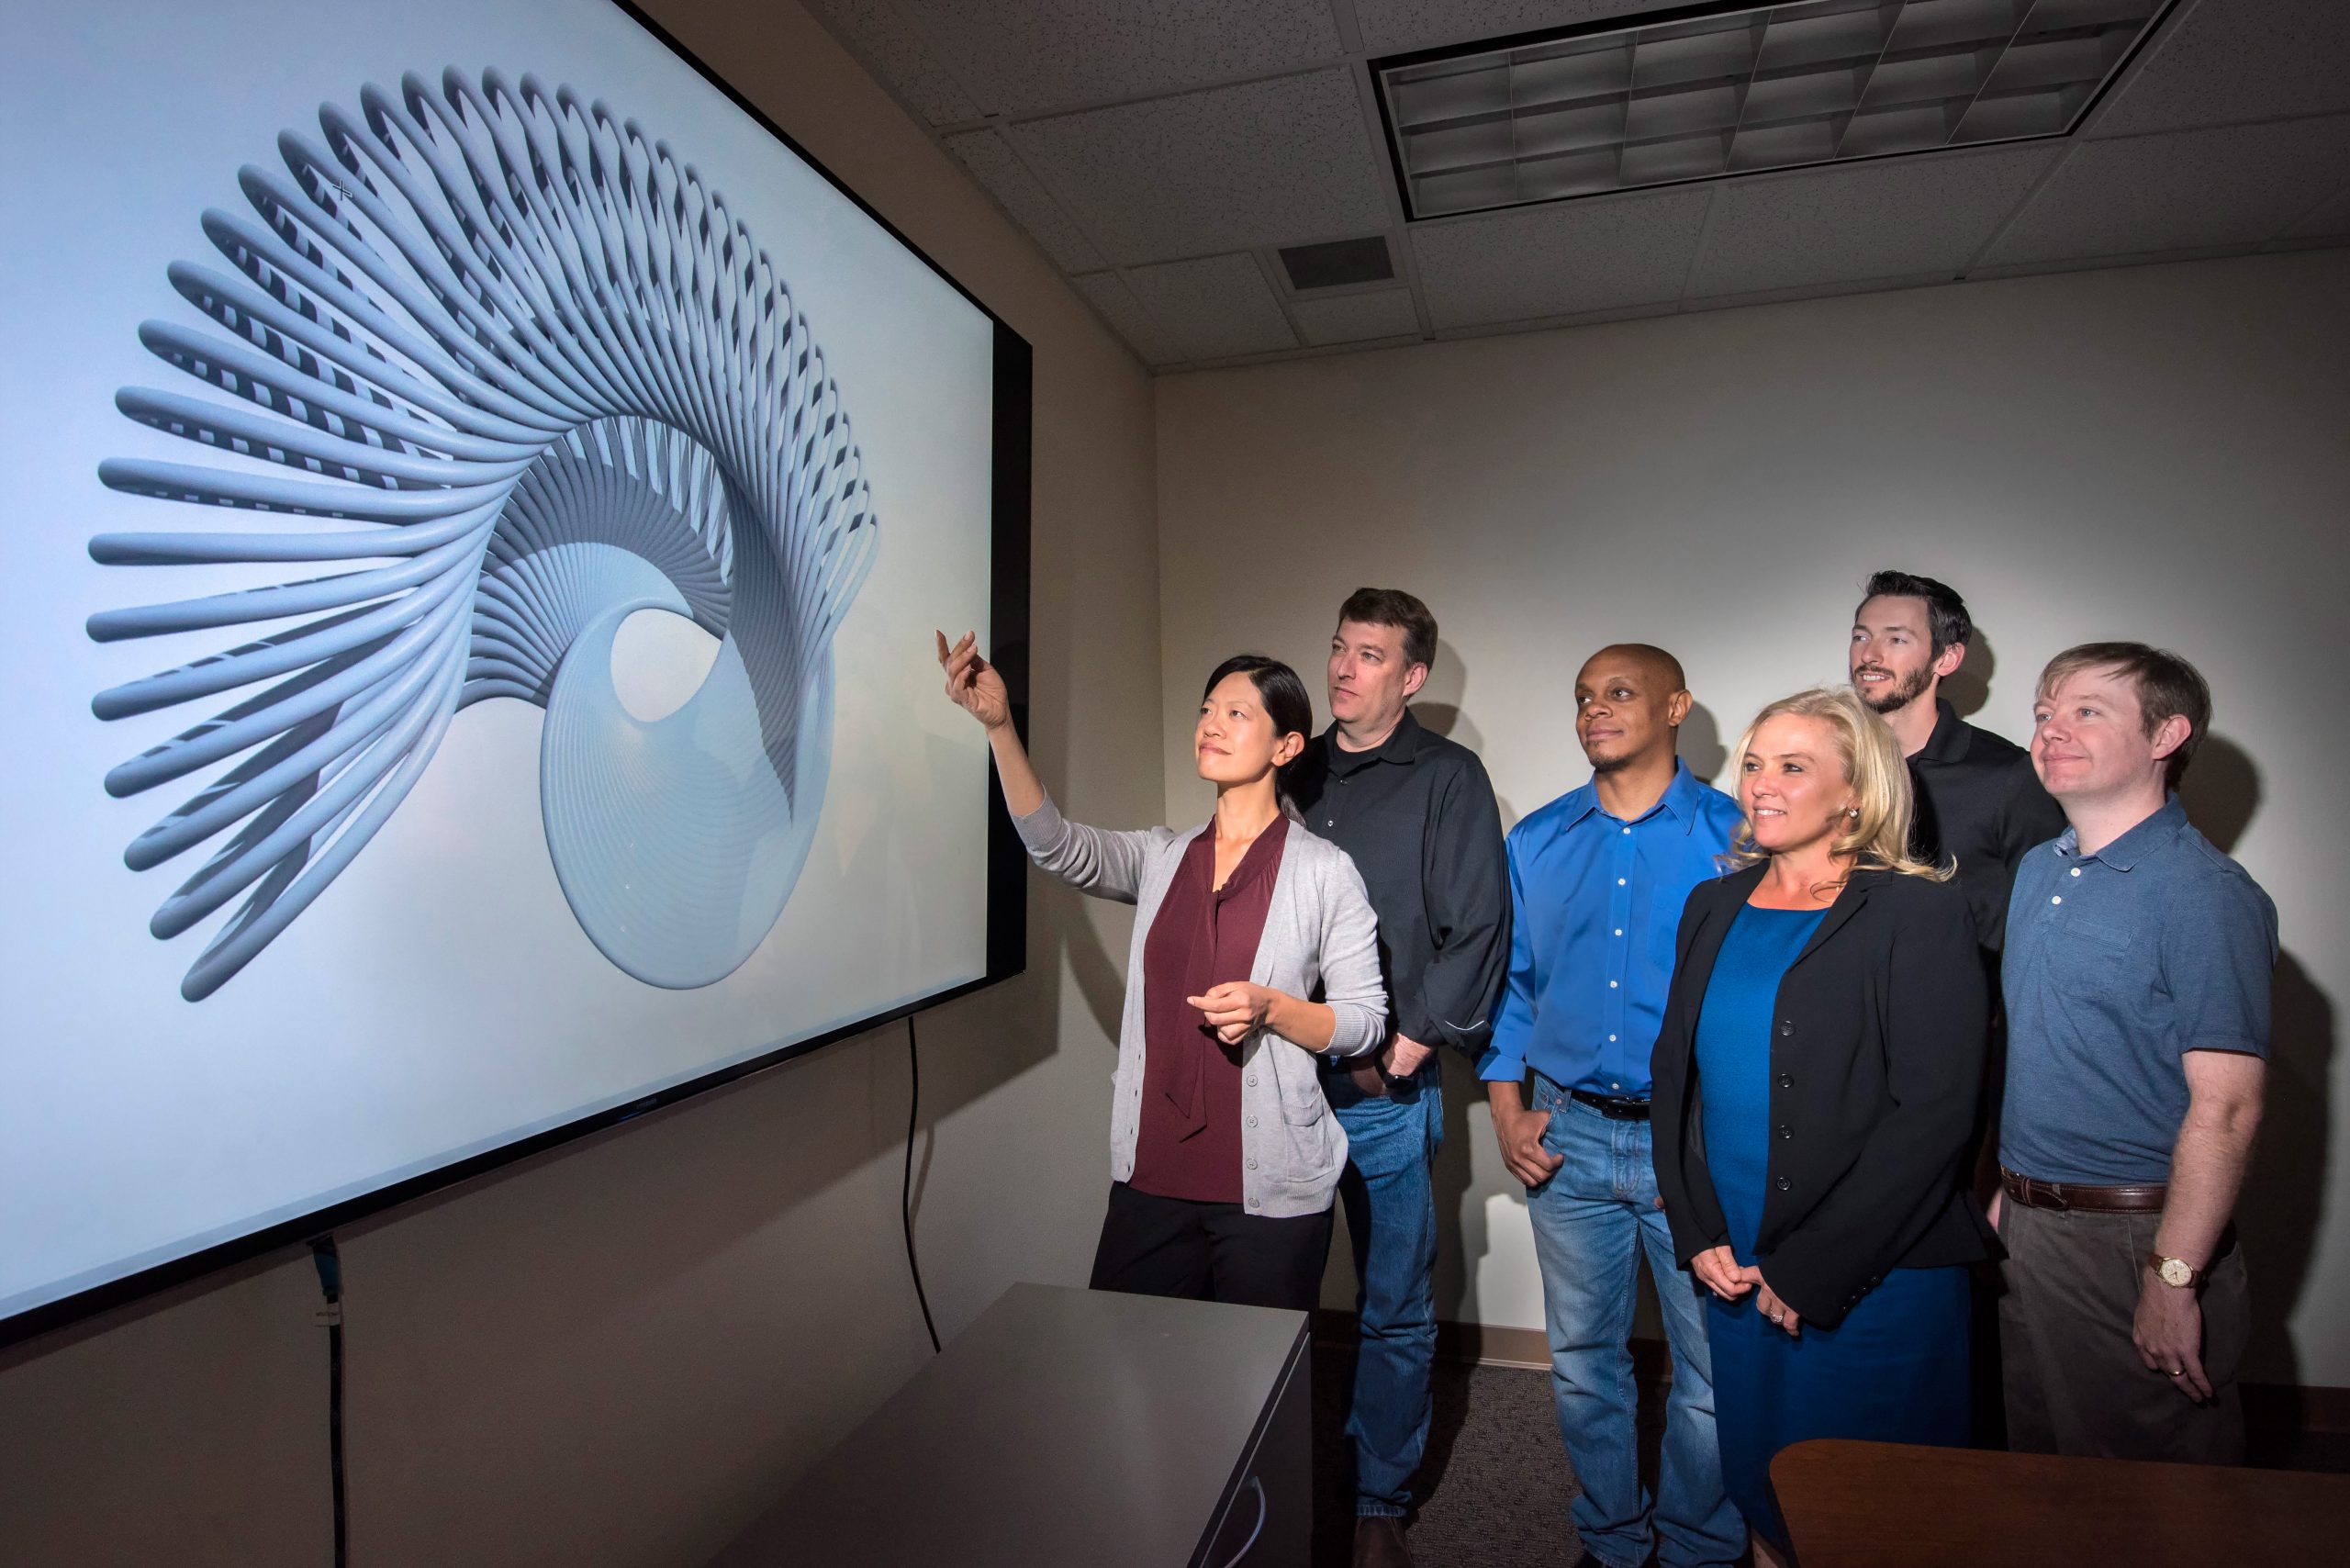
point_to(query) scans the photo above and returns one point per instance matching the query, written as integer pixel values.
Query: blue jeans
(1591, 1219)
(1391, 1219)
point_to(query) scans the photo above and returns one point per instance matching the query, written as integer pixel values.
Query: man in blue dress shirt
(2138, 967)
(1598, 879)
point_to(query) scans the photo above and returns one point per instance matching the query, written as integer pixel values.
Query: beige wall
(2161, 453)
(613, 1355)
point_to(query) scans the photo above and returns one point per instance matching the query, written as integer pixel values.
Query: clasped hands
(1723, 1274)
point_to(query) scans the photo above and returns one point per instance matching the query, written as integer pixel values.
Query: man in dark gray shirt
(1418, 813)
(2137, 977)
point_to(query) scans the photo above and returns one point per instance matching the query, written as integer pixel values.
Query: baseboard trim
(1497, 1345)
(2268, 1406)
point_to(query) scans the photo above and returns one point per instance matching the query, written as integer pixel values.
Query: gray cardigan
(1318, 931)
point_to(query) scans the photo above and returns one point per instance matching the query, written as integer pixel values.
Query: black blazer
(1876, 1065)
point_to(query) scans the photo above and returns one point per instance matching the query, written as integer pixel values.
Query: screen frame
(1010, 488)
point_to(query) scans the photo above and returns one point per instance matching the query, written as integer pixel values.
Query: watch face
(2174, 1272)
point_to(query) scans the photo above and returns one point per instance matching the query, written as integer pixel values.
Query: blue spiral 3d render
(514, 363)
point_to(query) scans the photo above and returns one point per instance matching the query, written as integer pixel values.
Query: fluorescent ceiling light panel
(1741, 88)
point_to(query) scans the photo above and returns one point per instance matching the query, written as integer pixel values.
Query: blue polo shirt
(2118, 964)
(1595, 904)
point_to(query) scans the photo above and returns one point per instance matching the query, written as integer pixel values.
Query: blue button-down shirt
(1596, 904)
(2118, 964)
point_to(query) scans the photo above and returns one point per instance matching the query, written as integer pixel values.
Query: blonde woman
(1816, 1080)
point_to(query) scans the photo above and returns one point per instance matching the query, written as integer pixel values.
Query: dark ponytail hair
(1286, 704)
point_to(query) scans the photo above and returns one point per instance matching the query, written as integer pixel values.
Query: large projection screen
(480, 500)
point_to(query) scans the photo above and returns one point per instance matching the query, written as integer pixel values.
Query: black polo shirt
(1979, 799)
(1418, 816)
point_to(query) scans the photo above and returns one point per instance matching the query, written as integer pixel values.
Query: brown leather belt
(2031, 1194)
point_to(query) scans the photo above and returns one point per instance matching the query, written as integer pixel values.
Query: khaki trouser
(2074, 1381)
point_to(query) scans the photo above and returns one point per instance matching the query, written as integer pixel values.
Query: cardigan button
(1252, 1121)
(1252, 1081)
(1252, 1165)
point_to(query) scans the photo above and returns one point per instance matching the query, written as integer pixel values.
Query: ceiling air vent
(1743, 88)
(1339, 264)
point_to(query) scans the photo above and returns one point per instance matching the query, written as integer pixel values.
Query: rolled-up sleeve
(1349, 963)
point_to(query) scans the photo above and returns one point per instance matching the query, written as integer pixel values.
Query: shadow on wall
(1969, 687)
(2278, 1214)
(1702, 746)
(1440, 707)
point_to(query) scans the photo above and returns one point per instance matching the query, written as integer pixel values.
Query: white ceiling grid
(1160, 153)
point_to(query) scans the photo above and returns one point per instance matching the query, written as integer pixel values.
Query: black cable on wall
(906, 1188)
(329, 1267)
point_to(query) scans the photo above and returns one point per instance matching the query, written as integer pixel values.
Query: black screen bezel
(1007, 933)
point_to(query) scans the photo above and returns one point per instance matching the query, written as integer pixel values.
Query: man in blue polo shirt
(1598, 879)
(2137, 977)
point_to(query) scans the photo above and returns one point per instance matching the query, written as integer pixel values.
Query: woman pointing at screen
(1223, 1154)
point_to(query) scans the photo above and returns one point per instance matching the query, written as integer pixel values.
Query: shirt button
(1615, 1086)
(1329, 822)
(1611, 985)
(1628, 830)
(1611, 1039)
(1620, 881)
(2076, 870)
(1787, 1132)
(2057, 899)
(1785, 1183)
(1785, 1028)
(1619, 931)
(1786, 1081)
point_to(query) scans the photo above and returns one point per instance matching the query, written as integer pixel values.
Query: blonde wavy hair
(1879, 837)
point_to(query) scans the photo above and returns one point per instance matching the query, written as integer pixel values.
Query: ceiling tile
(1390, 26)
(1265, 163)
(1022, 56)
(1597, 254)
(1108, 293)
(2230, 60)
(873, 30)
(2180, 192)
(2333, 217)
(1892, 219)
(994, 165)
(1357, 317)
(1215, 308)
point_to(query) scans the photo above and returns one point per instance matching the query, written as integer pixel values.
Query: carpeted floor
(1496, 1475)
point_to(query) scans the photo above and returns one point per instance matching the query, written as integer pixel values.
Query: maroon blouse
(1188, 1141)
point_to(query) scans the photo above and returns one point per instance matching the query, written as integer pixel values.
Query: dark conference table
(1852, 1505)
(1070, 1428)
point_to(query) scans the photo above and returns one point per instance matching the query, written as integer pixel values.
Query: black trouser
(1154, 1246)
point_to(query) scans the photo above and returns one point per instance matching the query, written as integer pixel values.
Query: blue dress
(1896, 1369)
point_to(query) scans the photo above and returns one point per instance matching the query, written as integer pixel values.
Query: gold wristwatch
(2176, 1273)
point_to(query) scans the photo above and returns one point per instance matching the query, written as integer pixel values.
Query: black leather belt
(1615, 1107)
